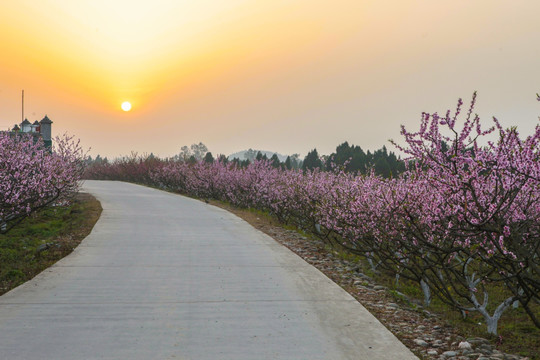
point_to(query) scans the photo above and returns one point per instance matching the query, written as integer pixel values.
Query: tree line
(348, 158)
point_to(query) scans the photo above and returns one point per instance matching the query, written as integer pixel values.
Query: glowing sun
(126, 106)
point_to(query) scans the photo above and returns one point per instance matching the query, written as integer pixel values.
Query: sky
(285, 76)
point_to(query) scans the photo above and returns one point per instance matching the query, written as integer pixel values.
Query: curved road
(163, 276)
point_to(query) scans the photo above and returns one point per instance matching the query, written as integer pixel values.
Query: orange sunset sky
(283, 76)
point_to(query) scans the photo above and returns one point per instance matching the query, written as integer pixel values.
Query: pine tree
(208, 158)
(312, 161)
(288, 165)
(275, 161)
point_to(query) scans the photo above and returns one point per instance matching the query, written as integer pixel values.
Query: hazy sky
(284, 76)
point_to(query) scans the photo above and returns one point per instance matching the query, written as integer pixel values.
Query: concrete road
(166, 277)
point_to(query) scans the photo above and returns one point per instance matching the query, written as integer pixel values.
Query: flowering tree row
(465, 217)
(33, 176)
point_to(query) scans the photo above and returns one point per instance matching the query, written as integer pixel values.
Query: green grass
(60, 229)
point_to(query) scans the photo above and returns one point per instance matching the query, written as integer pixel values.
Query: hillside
(250, 154)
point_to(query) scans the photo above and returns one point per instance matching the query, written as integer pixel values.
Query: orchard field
(462, 222)
(33, 176)
(42, 218)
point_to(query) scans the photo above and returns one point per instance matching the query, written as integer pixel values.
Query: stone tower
(45, 130)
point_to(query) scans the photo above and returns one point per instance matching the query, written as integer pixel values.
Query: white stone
(420, 342)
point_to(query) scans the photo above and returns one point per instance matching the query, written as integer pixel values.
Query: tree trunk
(427, 293)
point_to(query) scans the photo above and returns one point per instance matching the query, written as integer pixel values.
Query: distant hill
(242, 154)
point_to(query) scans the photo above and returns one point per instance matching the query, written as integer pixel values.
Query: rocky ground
(420, 330)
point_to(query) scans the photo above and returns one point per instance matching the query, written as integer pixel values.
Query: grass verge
(44, 238)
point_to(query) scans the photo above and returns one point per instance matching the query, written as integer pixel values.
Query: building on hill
(35, 126)
(26, 126)
(38, 129)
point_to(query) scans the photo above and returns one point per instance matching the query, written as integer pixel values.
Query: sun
(126, 106)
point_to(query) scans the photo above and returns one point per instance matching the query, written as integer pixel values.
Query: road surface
(163, 276)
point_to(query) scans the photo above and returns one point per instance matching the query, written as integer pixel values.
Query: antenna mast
(22, 109)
